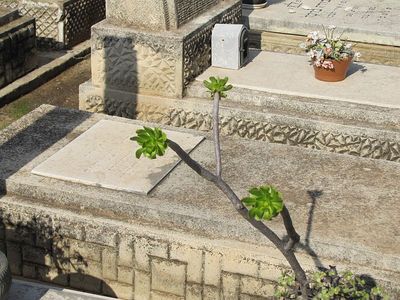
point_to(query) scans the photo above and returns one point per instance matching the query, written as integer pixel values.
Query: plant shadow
(38, 249)
(356, 67)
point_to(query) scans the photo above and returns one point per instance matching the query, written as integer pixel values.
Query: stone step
(359, 116)
(372, 25)
(8, 15)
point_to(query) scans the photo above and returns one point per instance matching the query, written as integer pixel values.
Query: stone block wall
(60, 24)
(17, 49)
(129, 262)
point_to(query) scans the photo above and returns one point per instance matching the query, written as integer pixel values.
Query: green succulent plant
(152, 142)
(264, 203)
(217, 85)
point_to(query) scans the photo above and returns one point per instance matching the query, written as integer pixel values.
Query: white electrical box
(229, 46)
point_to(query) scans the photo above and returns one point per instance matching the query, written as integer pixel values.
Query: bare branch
(217, 144)
(266, 231)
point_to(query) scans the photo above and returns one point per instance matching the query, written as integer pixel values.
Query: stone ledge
(348, 228)
(347, 134)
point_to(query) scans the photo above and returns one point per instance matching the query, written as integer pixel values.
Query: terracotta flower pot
(338, 73)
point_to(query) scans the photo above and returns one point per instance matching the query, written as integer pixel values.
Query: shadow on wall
(120, 73)
(37, 249)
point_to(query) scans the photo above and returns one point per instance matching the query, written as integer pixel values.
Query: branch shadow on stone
(314, 195)
(120, 74)
(356, 67)
(38, 249)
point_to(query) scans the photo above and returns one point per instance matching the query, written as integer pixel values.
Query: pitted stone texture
(103, 156)
(165, 14)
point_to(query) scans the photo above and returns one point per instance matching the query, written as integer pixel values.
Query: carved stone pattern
(80, 16)
(132, 64)
(189, 9)
(8, 3)
(46, 23)
(94, 103)
(363, 146)
(197, 47)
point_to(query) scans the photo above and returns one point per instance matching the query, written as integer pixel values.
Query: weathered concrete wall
(126, 261)
(60, 24)
(17, 49)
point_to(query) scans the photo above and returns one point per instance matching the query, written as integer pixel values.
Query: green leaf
(217, 86)
(139, 153)
(264, 203)
(152, 142)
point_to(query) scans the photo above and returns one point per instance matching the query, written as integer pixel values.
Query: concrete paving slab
(363, 21)
(104, 156)
(24, 290)
(292, 75)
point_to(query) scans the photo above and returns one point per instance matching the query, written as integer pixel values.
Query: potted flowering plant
(331, 56)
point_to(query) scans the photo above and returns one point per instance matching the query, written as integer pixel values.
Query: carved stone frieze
(80, 15)
(288, 134)
(133, 64)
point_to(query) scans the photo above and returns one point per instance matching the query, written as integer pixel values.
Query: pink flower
(327, 64)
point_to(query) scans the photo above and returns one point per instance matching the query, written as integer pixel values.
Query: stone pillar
(150, 48)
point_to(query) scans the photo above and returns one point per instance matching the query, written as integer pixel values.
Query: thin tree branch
(294, 237)
(217, 144)
(266, 231)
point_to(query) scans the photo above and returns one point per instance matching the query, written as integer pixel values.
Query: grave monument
(150, 48)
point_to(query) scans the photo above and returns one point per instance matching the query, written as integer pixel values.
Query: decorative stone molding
(268, 131)
(136, 63)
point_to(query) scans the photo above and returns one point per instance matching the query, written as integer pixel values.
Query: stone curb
(43, 74)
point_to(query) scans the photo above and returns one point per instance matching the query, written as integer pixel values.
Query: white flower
(314, 35)
(348, 46)
(357, 55)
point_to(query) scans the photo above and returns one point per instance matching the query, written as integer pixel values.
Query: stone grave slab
(104, 156)
(363, 21)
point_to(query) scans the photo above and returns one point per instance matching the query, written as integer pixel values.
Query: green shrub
(330, 285)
